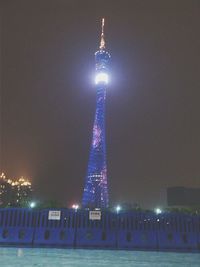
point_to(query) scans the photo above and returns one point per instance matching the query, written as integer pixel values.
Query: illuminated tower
(95, 193)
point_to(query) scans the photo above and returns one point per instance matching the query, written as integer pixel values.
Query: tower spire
(102, 42)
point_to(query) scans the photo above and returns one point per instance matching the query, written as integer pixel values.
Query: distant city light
(118, 208)
(75, 206)
(14, 191)
(3, 176)
(101, 77)
(158, 211)
(32, 205)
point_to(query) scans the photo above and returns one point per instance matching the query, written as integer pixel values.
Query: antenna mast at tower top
(102, 42)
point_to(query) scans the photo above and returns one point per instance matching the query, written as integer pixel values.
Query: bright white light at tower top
(101, 77)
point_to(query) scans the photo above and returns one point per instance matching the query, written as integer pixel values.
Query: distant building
(183, 196)
(5, 191)
(14, 193)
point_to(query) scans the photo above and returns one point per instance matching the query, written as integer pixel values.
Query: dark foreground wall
(126, 230)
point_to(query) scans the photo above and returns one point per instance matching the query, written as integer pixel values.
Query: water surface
(42, 257)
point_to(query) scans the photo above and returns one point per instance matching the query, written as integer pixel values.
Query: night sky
(152, 107)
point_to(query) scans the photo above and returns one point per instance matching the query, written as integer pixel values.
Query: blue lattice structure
(95, 193)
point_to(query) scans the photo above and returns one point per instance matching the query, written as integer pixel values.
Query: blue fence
(125, 230)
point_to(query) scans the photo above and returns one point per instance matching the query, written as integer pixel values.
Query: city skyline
(48, 96)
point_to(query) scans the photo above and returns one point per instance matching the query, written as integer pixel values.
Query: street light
(75, 207)
(32, 205)
(118, 208)
(158, 211)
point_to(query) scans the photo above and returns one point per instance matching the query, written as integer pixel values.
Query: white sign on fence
(54, 215)
(95, 215)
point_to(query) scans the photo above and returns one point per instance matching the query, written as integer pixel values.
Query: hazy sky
(152, 107)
